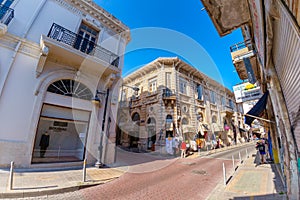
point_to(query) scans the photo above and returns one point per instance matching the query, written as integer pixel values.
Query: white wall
(18, 99)
(42, 16)
(23, 12)
(6, 58)
(52, 13)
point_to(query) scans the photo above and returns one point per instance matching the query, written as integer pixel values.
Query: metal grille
(287, 63)
(6, 14)
(66, 36)
(71, 88)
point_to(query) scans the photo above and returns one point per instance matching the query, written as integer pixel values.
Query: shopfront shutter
(286, 54)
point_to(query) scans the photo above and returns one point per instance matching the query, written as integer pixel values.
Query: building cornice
(177, 64)
(90, 8)
(27, 47)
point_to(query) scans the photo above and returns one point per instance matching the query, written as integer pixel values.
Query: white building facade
(56, 56)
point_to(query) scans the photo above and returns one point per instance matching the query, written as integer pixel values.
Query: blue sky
(165, 28)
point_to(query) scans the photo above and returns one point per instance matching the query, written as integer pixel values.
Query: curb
(215, 151)
(52, 191)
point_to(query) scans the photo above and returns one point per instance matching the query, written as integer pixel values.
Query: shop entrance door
(61, 135)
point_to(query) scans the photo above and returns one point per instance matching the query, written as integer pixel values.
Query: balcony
(200, 102)
(6, 15)
(227, 15)
(169, 97)
(227, 110)
(72, 49)
(168, 94)
(135, 102)
(239, 52)
(213, 107)
(151, 98)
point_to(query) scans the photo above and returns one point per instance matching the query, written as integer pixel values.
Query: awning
(257, 109)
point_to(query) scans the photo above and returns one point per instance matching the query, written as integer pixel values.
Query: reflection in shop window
(67, 129)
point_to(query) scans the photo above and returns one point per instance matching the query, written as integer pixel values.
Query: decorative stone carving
(69, 7)
(3, 29)
(109, 80)
(42, 60)
(94, 22)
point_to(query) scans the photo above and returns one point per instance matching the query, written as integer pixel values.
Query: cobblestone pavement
(157, 177)
(183, 179)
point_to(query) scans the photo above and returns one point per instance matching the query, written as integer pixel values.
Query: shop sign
(57, 129)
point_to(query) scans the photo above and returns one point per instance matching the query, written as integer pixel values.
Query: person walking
(183, 149)
(260, 146)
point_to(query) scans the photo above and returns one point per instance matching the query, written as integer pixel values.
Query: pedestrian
(260, 146)
(267, 149)
(183, 149)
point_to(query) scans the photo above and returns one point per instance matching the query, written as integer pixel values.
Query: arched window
(200, 117)
(71, 88)
(214, 119)
(151, 120)
(136, 117)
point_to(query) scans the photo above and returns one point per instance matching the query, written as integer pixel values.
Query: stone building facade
(174, 101)
(56, 56)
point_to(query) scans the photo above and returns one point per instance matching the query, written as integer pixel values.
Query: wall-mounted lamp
(96, 99)
(134, 88)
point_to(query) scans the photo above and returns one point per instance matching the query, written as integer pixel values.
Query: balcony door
(86, 39)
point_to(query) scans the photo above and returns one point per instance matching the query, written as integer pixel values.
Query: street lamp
(135, 88)
(97, 100)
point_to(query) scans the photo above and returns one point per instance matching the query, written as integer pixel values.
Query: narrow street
(172, 178)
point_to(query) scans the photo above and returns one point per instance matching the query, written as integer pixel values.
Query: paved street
(183, 179)
(152, 176)
(156, 177)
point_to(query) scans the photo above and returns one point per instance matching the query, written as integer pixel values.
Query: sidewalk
(30, 184)
(41, 182)
(251, 181)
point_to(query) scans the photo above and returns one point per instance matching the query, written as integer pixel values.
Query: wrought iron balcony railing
(77, 41)
(6, 14)
(168, 93)
(242, 45)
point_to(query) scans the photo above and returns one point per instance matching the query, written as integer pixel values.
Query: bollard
(233, 163)
(247, 153)
(84, 170)
(11, 175)
(224, 174)
(199, 151)
(240, 157)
